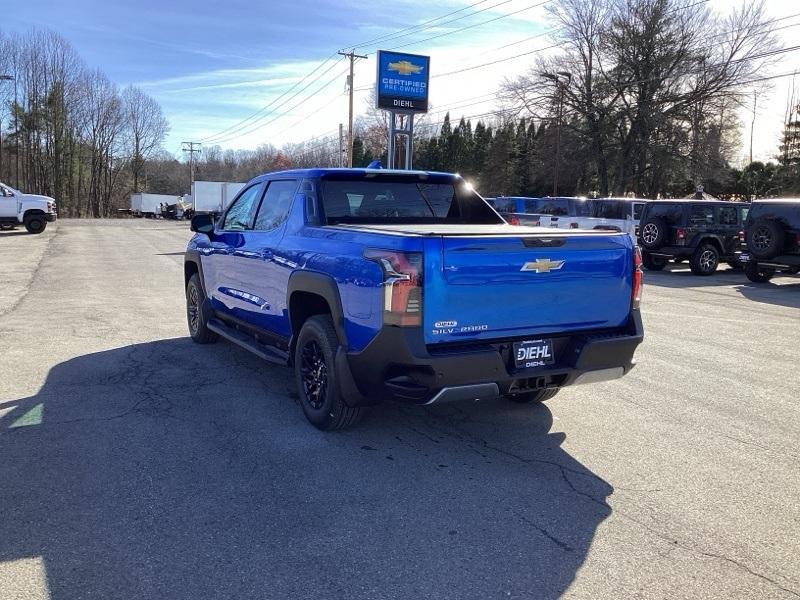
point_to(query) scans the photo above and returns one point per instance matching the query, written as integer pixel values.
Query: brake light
(638, 275)
(680, 233)
(402, 286)
(573, 225)
(742, 238)
(513, 220)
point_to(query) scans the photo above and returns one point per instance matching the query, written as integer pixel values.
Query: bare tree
(145, 129)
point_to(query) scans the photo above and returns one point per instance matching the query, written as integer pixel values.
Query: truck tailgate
(498, 287)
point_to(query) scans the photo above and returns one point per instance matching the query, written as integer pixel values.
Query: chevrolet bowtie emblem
(404, 67)
(543, 265)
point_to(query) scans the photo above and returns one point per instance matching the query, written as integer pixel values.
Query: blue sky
(210, 65)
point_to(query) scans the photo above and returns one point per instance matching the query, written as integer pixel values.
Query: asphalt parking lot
(135, 464)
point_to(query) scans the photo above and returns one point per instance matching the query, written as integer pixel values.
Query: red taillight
(742, 238)
(513, 220)
(680, 233)
(402, 286)
(636, 294)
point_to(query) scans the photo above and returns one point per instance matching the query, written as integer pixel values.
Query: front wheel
(35, 224)
(705, 260)
(315, 374)
(195, 317)
(533, 397)
(756, 274)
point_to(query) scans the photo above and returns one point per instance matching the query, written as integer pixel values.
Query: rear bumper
(398, 366)
(778, 262)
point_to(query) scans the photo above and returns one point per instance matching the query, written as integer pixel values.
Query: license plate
(533, 353)
(744, 258)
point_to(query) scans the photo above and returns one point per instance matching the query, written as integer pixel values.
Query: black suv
(771, 240)
(704, 231)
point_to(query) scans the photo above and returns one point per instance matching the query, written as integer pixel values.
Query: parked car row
(762, 238)
(610, 214)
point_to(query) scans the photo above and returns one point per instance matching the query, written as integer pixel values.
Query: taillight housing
(513, 220)
(573, 225)
(680, 235)
(742, 237)
(638, 275)
(402, 286)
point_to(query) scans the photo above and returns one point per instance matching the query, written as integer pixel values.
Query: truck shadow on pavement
(172, 470)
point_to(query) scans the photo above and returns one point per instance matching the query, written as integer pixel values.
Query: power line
(263, 108)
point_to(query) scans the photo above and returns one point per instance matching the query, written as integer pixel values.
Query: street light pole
(3, 78)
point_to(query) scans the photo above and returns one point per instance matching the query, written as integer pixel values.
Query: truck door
(8, 203)
(222, 281)
(263, 268)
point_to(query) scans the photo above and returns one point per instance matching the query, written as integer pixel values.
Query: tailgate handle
(543, 242)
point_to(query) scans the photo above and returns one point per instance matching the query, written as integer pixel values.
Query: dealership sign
(402, 84)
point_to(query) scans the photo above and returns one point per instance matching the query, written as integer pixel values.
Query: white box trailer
(149, 205)
(213, 196)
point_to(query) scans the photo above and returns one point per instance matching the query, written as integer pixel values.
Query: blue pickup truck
(405, 285)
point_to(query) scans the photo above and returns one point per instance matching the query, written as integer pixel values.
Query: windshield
(402, 200)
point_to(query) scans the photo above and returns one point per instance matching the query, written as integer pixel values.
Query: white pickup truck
(31, 210)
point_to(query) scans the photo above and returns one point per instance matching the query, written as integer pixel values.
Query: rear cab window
(397, 199)
(610, 209)
(701, 215)
(558, 207)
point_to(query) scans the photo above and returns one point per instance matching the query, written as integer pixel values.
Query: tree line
(69, 132)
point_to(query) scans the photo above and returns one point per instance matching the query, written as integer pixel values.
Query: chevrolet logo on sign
(543, 265)
(404, 67)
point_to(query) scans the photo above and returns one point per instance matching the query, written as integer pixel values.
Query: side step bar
(268, 353)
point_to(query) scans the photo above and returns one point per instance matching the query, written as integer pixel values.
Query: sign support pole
(401, 124)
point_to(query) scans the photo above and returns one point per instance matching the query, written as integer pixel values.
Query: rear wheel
(653, 263)
(654, 233)
(705, 260)
(35, 223)
(315, 374)
(765, 239)
(6, 226)
(758, 274)
(196, 319)
(533, 397)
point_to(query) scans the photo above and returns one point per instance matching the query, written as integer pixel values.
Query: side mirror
(202, 224)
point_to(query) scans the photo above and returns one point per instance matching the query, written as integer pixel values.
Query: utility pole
(191, 148)
(753, 124)
(341, 145)
(561, 88)
(352, 56)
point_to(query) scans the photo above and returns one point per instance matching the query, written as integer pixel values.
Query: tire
(315, 374)
(653, 263)
(35, 223)
(7, 226)
(195, 318)
(765, 238)
(736, 266)
(654, 233)
(756, 274)
(705, 260)
(533, 397)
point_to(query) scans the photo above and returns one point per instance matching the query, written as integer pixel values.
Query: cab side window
(701, 215)
(240, 213)
(276, 204)
(727, 215)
